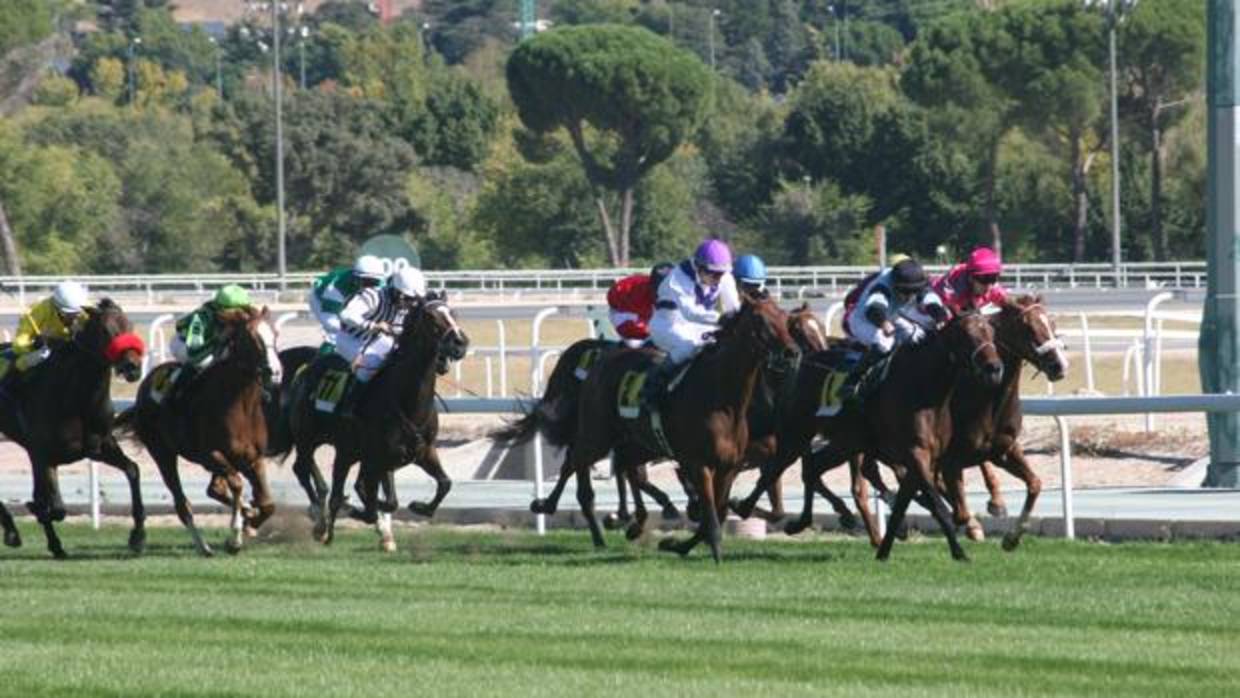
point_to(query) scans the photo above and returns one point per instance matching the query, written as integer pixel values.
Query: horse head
(108, 334)
(764, 325)
(807, 330)
(248, 338)
(970, 340)
(1025, 328)
(432, 321)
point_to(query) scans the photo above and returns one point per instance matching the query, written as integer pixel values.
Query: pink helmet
(713, 255)
(984, 261)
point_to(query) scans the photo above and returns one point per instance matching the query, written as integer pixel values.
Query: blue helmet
(750, 269)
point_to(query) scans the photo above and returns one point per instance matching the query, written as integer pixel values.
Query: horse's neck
(83, 378)
(926, 370)
(737, 369)
(416, 384)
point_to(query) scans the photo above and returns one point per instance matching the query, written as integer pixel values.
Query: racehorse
(906, 421)
(61, 412)
(395, 424)
(218, 421)
(705, 428)
(988, 419)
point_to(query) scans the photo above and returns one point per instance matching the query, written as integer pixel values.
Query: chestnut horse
(61, 412)
(218, 422)
(906, 420)
(988, 419)
(396, 423)
(704, 418)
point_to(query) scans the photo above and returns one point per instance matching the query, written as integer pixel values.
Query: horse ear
(265, 313)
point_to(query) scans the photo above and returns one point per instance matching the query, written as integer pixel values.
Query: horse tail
(555, 414)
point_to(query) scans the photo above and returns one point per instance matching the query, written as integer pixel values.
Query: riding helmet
(908, 276)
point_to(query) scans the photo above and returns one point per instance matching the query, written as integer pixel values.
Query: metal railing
(824, 279)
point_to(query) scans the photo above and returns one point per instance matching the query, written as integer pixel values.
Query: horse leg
(640, 515)
(703, 482)
(41, 505)
(585, 498)
(922, 469)
(551, 502)
(768, 474)
(775, 495)
(311, 480)
(670, 512)
(443, 483)
(848, 520)
(869, 469)
(996, 507)
(904, 495)
(111, 453)
(264, 503)
(861, 497)
(166, 460)
(621, 515)
(1014, 462)
(340, 476)
(953, 488)
(12, 537)
(367, 487)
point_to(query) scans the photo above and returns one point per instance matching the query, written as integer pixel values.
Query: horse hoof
(137, 541)
(634, 531)
(961, 556)
(974, 531)
(250, 531)
(539, 506)
(13, 539)
(233, 547)
(58, 553)
(387, 545)
(614, 521)
(1011, 542)
(998, 511)
(58, 513)
(421, 509)
(694, 511)
(792, 528)
(671, 513)
(669, 545)
(848, 521)
(740, 507)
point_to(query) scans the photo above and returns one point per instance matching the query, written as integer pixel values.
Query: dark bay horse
(906, 421)
(61, 412)
(704, 418)
(988, 419)
(396, 423)
(218, 422)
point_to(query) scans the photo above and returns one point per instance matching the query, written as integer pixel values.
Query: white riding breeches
(365, 356)
(679, 338)
(870, 335)
(330, 322)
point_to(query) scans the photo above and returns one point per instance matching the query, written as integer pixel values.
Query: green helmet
(232, 296)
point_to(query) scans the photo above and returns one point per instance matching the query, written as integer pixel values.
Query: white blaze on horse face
(446, 312)
(1054, 344)
(816, 328)
(268, 333)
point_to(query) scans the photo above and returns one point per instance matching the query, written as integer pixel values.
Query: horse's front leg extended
(111, 453)
(443, 484)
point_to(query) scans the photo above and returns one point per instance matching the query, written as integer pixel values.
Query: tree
(455, 123)
(24, 22)
(627, 99)
(1162, 48)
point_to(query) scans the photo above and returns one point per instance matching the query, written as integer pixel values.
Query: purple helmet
(713, 255)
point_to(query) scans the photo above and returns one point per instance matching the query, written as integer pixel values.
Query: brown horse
(704, 418)
(61, 412)
(395, 423)
(988, 419)
(218, 422)
(906, 421)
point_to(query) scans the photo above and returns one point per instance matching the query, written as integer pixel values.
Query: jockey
(370, 323)
(55, 318)
(332, 290)
(197, 338)
(688, 305)
(896, 307)
(631, 303)
(750, 273)
(974, 284)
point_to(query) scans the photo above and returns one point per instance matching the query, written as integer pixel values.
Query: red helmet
(984, 261)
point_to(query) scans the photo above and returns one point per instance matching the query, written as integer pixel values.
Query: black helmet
(908, 276)
(659, 271)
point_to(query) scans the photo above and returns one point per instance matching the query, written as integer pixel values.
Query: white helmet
(369, 266)
(409, 282)
(69, 297)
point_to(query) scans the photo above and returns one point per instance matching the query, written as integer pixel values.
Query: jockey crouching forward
(197, 340)
(630, 303)
(370, 323)
(331, 291)
(688, 305)
(54, 319)
(896, 307)
(974, 284)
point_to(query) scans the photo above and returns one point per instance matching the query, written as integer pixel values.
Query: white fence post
(155, 341)
(96, 517)
(1148, 336)
(1065, 476)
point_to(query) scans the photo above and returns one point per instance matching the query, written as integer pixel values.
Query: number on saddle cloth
(334, 382)
(842, 367)
(585, 362)
(628, 397)
(162, 380)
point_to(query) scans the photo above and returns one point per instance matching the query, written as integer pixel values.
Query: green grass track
(464, 613)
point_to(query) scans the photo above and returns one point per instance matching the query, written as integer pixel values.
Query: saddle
(332, 382)
(852, 374)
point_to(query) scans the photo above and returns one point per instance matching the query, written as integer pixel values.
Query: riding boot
(183, 376)
(860, 379)
(654, 390)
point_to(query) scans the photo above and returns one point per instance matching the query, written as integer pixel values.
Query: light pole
(219, 75)
(426, 30)
(835, 19)
(302, 37)
(1115, 10)
(133, 44)
(279, 95)
(711, 36)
